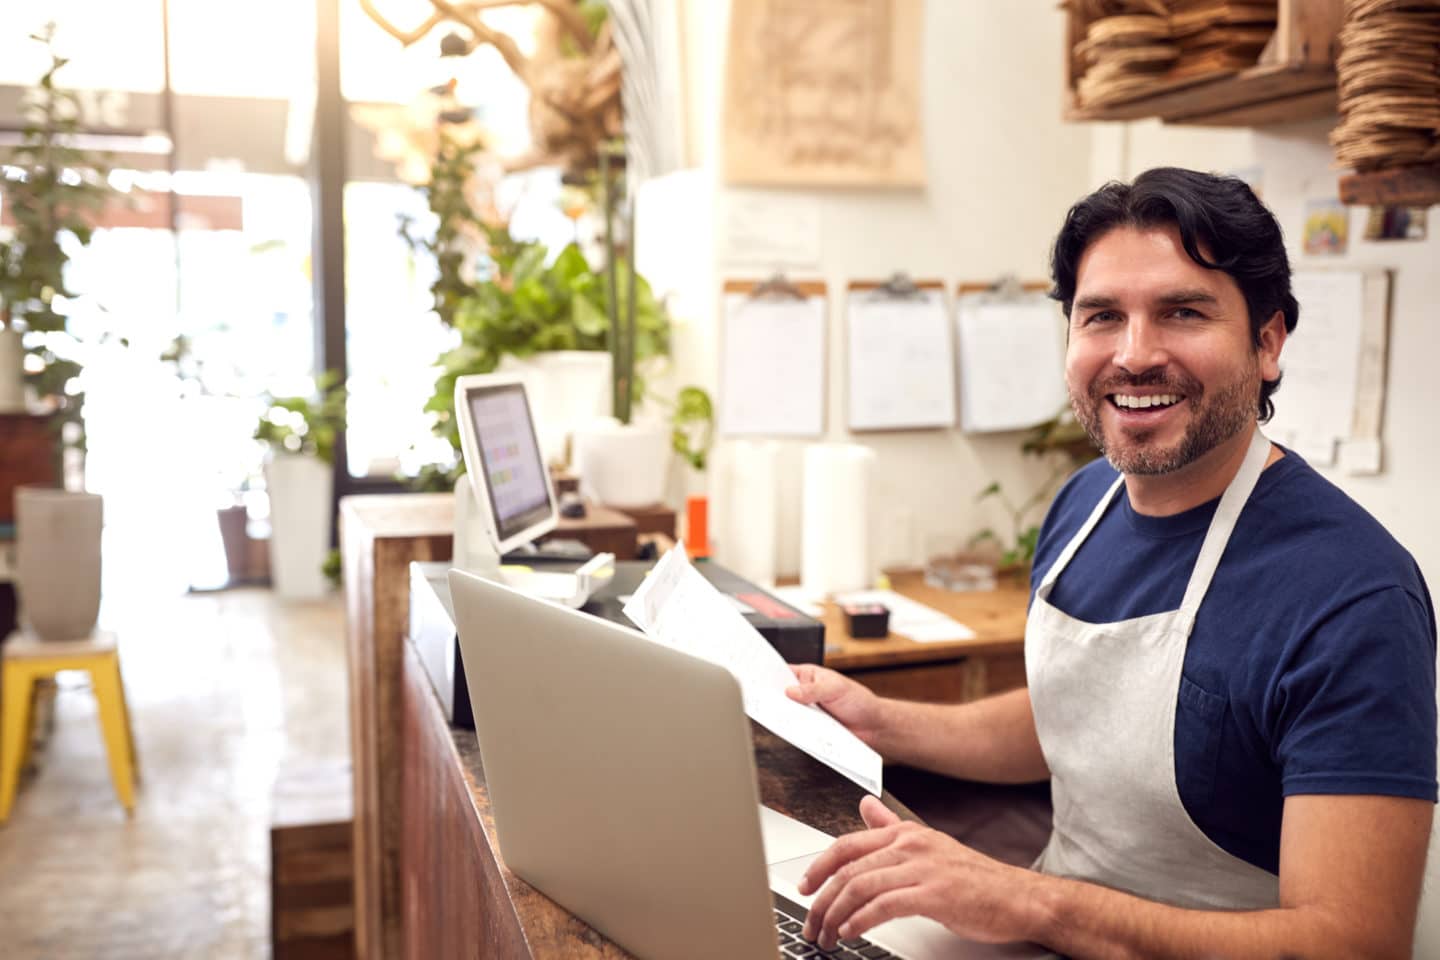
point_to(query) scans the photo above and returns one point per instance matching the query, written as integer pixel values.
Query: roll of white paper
(835, 518)
(753, 509)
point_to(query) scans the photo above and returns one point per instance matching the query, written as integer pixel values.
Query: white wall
(1002, 170)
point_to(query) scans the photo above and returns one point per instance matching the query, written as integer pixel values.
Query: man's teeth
(1140, 403)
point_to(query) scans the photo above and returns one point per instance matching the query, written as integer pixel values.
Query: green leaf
(989, 491)
(323, 419)
(588, 318)
(570, 266)
(529, 262)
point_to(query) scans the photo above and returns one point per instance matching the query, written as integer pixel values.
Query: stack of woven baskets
(1133, 46)
(1126, 53)
(1389, 80)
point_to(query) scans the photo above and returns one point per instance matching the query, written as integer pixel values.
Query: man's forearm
(991, 740)
(1084, 920)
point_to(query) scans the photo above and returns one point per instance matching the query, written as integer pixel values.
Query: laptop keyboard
(790, 920)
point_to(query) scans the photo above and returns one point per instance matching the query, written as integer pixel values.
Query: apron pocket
(1198, 717)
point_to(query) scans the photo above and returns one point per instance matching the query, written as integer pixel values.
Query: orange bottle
(697, 526)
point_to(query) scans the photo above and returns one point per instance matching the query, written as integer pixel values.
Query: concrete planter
(299, 489)
(58, 561)
(623, 465)
(12, 371)
(566, 388)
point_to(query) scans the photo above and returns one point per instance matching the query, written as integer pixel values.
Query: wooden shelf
(1253, 97)
(1293, 80)
(1398, 186)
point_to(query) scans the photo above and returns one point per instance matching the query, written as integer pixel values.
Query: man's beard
(1213, 422)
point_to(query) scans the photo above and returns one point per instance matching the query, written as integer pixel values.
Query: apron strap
(1226, 515)
(1073, 546)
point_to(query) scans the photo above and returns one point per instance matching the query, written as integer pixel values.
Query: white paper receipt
(678, 607)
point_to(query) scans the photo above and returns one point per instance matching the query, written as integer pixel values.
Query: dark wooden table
(948, 671)
(460, 900)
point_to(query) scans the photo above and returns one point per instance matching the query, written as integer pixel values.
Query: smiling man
(1231, 665)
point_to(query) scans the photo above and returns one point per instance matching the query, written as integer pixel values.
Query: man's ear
(1270, 341)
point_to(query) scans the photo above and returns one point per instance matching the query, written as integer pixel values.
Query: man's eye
(1104, 316)
(1185, 313)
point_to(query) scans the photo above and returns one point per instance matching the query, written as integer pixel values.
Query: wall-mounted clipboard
(900, 371)
(772, 358)
(1331, 405)
(1010, 340)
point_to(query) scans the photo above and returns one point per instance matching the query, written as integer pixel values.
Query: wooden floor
(225, 689)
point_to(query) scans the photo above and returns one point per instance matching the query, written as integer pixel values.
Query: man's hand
(900, 869)
(853, 704)
(1350, 872)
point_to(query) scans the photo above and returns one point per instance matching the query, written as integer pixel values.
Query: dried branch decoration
(574, 98)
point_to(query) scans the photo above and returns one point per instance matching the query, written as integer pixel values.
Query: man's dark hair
(1220, 214)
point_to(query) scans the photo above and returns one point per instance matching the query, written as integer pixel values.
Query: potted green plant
(300, 433)
(1061, 434)
(518, 308)
(53, 192)
(622, 460)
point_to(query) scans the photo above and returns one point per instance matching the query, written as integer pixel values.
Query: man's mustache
(1115, 383)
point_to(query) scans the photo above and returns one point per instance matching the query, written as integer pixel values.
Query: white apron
(1104, 697)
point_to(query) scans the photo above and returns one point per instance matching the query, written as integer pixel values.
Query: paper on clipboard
(679, 608)
(1320, 363)
(1011, 360)
(772, 366)
(901, 372)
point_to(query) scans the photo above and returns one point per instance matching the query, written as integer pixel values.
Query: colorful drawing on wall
(824, 93)
(1327, 227)
(1396, 223)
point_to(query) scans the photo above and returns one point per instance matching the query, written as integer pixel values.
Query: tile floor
(225, 690)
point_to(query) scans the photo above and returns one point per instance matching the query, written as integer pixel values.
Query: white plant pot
(623, 465)
(57, 568)
(12, 371)
(566, 388)
(299, 488)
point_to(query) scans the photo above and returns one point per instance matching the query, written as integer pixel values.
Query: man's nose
(1141, 346)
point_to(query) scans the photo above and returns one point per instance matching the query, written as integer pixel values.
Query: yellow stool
(26, 660)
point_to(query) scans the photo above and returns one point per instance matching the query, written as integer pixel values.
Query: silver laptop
(622, 779)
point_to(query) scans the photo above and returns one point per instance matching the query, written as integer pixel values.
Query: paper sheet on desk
(912, 619)
(678, 607)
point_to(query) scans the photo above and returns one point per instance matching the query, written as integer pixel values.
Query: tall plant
(521, 300)
(527, 306)
(52, 190)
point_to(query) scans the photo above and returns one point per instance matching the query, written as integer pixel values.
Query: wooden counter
(460, 900)
(381, 535)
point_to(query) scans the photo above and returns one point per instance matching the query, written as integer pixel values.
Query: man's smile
(1131, 401)
(1136, 410)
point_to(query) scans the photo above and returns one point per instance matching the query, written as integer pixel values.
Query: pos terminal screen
(514, 472)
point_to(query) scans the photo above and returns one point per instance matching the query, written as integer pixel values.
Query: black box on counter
(798, 638)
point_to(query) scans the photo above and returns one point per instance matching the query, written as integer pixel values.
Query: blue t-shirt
(1311, 667)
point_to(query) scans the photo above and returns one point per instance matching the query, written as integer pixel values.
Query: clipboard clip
(777, 287)
(1007, 287)
(898, 287)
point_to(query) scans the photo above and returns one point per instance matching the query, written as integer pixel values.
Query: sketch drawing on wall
(824, 93)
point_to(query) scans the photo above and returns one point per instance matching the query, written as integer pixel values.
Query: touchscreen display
(514, 471)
